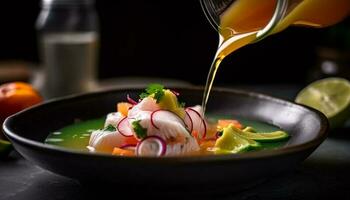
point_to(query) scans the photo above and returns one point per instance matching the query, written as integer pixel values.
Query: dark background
(172, 39)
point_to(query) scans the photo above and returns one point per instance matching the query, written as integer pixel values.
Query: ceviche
(158, 124)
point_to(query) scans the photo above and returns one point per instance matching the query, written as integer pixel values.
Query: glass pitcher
(263, 18)
(241, 22)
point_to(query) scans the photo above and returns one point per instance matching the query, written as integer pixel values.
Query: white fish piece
(113, 119)
(176, 149)
(105, 141)
(169, 127)
(147, 104)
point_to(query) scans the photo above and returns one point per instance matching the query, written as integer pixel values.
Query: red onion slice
(188, 121)
(151, 146)
(204, 134)
(124, 129)
(132, 101)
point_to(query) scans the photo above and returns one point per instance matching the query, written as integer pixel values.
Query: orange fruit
(15, 97)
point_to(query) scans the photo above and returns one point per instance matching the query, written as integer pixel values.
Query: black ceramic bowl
(27, 131)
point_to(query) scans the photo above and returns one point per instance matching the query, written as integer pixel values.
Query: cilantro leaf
(143, 95)
(155, 89)
(182, 104)
(139, 130)
(158, 96)
(110, 128)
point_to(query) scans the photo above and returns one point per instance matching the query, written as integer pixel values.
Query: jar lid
(54, 3)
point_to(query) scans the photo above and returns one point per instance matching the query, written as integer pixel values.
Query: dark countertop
(324, 174)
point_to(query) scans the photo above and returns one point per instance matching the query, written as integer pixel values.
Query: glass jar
(68, 40)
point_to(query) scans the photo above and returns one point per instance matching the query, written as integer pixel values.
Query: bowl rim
(320, 136)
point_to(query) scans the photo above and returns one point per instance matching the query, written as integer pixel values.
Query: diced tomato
(211, 131)
(205, 144)
(122, 152)
(222, 123)
(123, 108)
(131, 140)
(195, 135)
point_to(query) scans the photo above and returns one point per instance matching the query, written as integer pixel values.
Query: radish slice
(174, 92)
(204, 133)
(151, 146)
(132, 101)
(188, 121)
(124, 129)
(205, 129)
(152, 122)
(154, 113)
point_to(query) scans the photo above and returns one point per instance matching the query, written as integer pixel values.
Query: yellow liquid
(242, 20)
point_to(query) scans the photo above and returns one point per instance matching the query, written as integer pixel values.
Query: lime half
(5, 148)
(331, 96)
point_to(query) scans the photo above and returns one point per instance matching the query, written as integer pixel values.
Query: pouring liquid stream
(231, 45)
(243, 19)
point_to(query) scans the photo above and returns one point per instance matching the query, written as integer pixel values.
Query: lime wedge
(331, 96)
(5, 148)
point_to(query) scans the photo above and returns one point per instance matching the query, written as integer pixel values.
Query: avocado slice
(249, 129)
(169, 102)
(232, 142)
(250, 133)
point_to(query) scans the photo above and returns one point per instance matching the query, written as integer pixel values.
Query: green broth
(76, 136)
